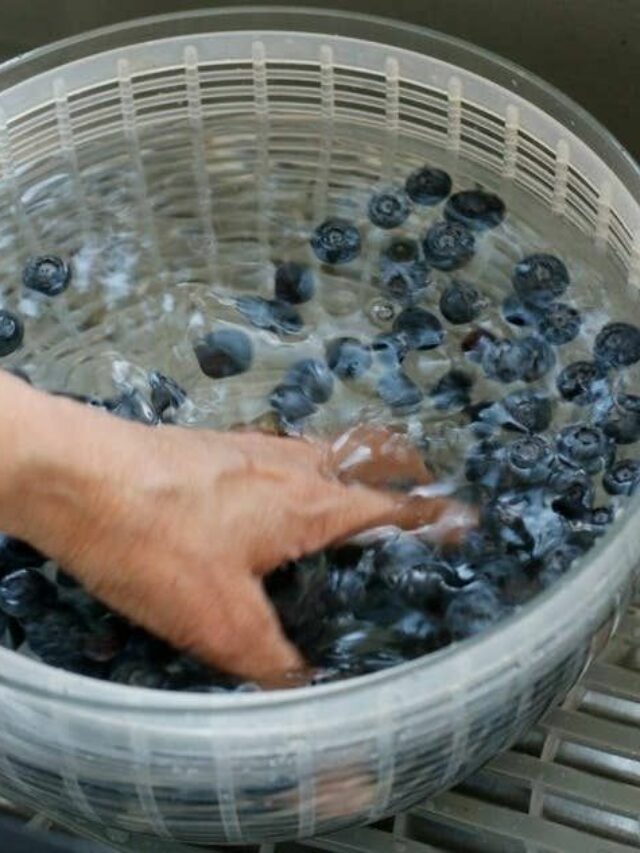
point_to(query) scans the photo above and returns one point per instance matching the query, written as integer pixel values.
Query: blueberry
(348, 358)
(25, 593)
(617, 345)
(47, 274)
(16, 554)
(525, 521)
(428, 186)
(583, 446)
(540, 279)
(529, 458)
(403, 281)
(595, 521)
(132, 406)
(506, 575)
(294, 283)
(11, 332)
(165, 393)
(408, 566)
(528, 358)
(574, 491)
(581, 382)
(517, 313)
(270, 314)
(106, 641)
(417, 632)
(558, 563)
(399, 392)
(559, 323)
(476, 343)
(476, 209)
(346, 590)
(57, 637)
(420, 328)
(621, 421)
(138, 673)
(291, 403)
(223, 353)
(336, 241)
(313, 377)
(460, 303)
(528, 410)
(484, 464)
(623, 477)
(448, 245)
(452, 390)
(389, 207)
(390, 349)
(474, 609)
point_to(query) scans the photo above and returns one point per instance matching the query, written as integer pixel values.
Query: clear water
(166, 230)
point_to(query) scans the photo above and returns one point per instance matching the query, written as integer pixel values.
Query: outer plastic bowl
(129, 763)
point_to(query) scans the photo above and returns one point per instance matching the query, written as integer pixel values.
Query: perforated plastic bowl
(134, 763)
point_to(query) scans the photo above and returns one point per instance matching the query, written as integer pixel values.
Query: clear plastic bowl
(146, 769)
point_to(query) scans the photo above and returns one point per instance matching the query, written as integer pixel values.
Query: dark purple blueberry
(346, 590)
(389, 207)
(291, 403)
(132, 406)
(525, 521)
(165, 393)
(559, 323)
(582, 383)
(477, 209)
(11, 332)
(313, 377)
(390, 349)
(517, 313)
(461, 302)
(421, 329)
(508, 577)
(484, 464)
(270, 314)
(558, 563)
(25, 593)
(16, 554)
(452, 391)
(448, 245)
(617, 345)
(574, 491)
(428, 186)
(417, 632)
(405, 282)
(348, 358)
(583, 446)
(106, 640)
(527, 410)
(621, 421)
(226, 352)
(336, 241)
(595, 521)
(528, 358)
(57, 637)
(474, 609)
(476, 343)
(623, 477)
(529, 458)
(401, 251)
(408, 566)
(399, 392)
(47, 274)
(294, 283)
(540, 279)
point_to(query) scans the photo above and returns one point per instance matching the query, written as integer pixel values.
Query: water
(164, 232)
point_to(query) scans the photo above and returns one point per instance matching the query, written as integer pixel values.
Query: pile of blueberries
(545, 493)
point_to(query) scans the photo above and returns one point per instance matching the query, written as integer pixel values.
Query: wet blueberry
(517, 313)
(57, 637)
(390, 349)
(25, 593)
(474, 609)
(294, 283)
(528, 358)
(225, 352)
(461, 302)
(484, 464)
(540, 279)
(165, 393)
(617, 345)
(313, 377)
(581, 382)
(408, 566)
(291, 403)
(421, 329)
(47, 274)
(399, 392)
(623, 477)
(525, 521)
(11, 332)
(404, 282)
(478, 342)
(346, 590)
(452, 391)
(389, 207)
(348, 358)
(417, 632)
(270, 314)
(621, 421)
(336, 241)
(529, 458)
(596, 521)
(528, 410)
(401, 251)
(558, 563)
(583, 446)
(106, 640)
(559, 323)
(428, 186)
(16, 554)
(476, 209)
(132, 406)
(448, 245)
(574, 491)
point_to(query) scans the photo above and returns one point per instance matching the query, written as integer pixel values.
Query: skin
(176, 528)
